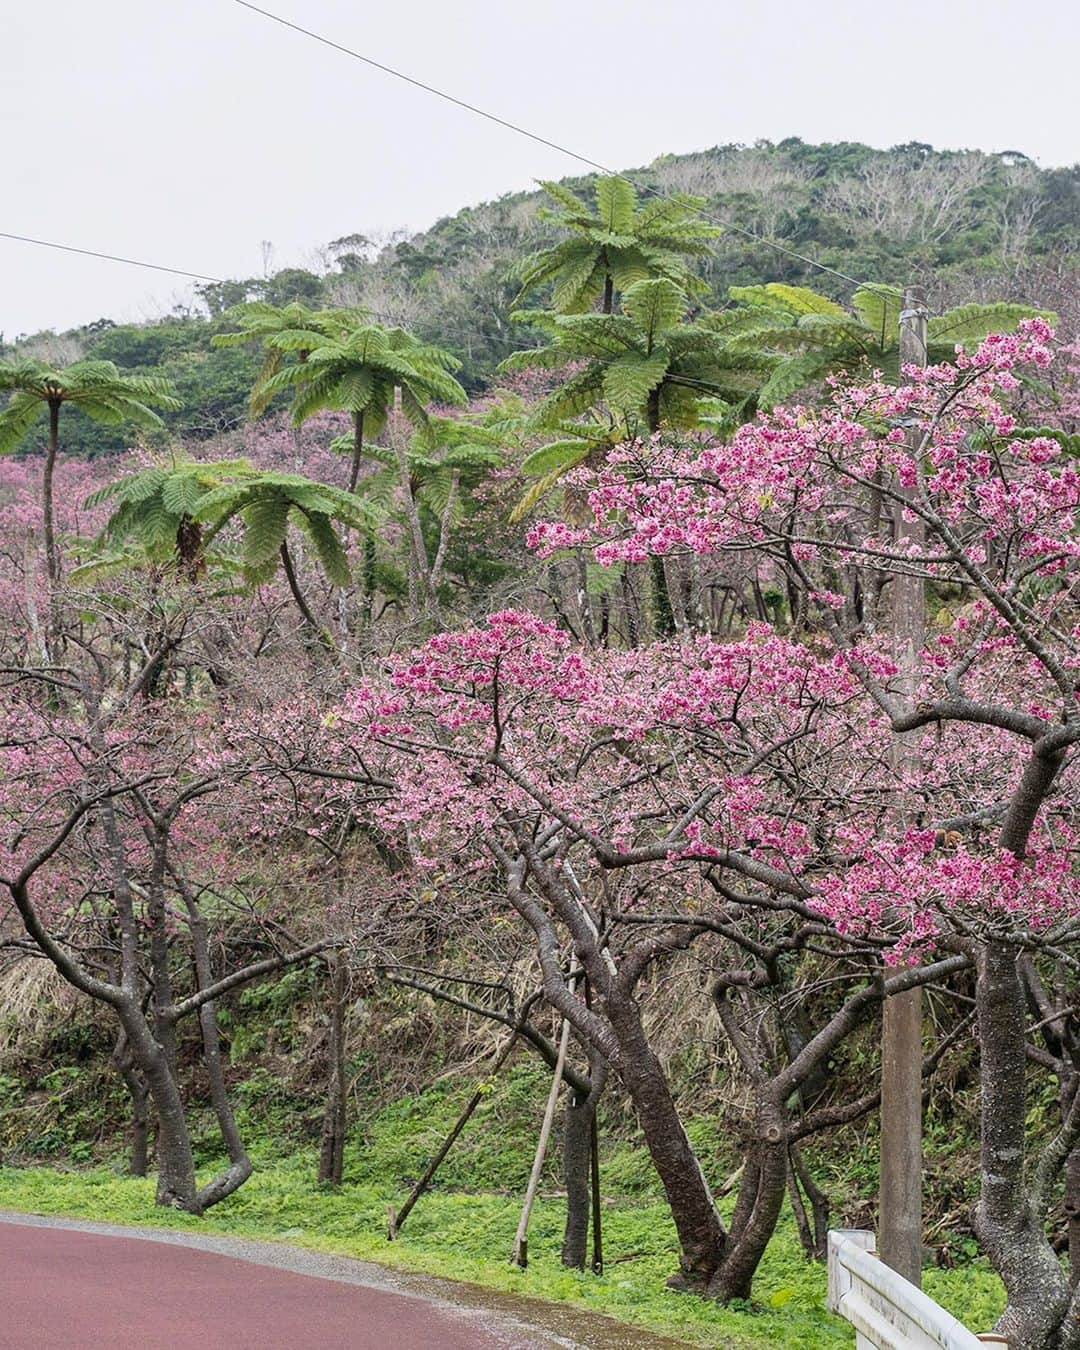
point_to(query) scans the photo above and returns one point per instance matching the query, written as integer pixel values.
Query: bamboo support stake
(520, 1255)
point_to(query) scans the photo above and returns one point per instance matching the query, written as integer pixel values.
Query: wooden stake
(520, 1254)
(396, 1220)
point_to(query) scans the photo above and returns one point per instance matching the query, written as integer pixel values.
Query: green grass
(467, 1236)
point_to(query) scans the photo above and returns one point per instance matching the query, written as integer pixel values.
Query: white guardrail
(886, 1311)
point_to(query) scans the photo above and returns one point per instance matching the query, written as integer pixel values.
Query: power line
(427, 88)
(646, 188)
(543, 140)
(109, 257)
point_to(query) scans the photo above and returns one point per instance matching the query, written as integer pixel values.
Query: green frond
(156, 525)
(576, 396)
(598, 334)
(654, 306)
(577, 284)
(25, 376)
(258, 574)
(793, 299)
(536, 492)
(473, 457)
(793, 375)
(328, 548)
(564, 197)
(544, 262)
(20, 413)
(971, 323)
(219, 504)
(380, 489)
(555, 458)
(355, 387)
(180, 494)
(630, 265)
(680, 406)
(760, 297)
(550, 357)
(616, 201)
(266, 520)
(879, 308)
(103, 565)
(630, 379)
(672, 209)
(140, 487)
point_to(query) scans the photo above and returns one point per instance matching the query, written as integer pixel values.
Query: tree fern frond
(536, 492)
(328, 547)
(555, 458)
(265, 522)
(972, 323)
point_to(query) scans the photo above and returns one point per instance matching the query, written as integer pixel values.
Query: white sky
(186, 133)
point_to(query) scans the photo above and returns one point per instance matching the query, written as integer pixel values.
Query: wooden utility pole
(900, 1197)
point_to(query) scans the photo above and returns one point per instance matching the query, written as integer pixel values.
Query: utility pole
(900, 1196)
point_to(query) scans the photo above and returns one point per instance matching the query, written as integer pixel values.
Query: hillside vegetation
(967, 223)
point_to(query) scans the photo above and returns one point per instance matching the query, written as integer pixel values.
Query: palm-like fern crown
(446, 454)
(98, 388)
(283, 330)
(817, 337)
(636, 370)
(643, 355)
(357, 366)
(619, 240)
(157, 508)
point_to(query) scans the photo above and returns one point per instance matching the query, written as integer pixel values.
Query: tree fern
(614, 244)
(814, 337)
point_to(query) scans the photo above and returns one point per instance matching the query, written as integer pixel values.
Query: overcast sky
(187, 133)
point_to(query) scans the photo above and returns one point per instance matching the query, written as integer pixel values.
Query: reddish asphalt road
(67, 1290)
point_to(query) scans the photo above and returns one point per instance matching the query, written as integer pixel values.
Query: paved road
(66, 1285)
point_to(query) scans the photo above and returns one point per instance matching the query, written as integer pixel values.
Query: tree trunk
(757, 1209)
(239, 1168)
(577, 1134)
(370, 559)
(140, 1115)
(1072, 1214)
(664, 614)
(52, 559)
(301, 603)
(332, 1148)
(1036, 1286)
(176, 1164)
(701, 1234)
(358, 450)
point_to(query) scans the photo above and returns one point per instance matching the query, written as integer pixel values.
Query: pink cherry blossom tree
(988, 867)
(630, 806)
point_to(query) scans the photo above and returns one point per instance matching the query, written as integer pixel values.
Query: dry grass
(32, 993)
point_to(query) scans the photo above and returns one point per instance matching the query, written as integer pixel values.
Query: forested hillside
(969, 224)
